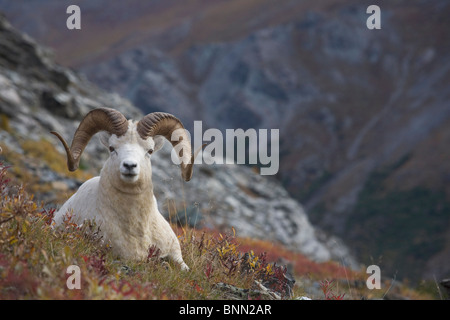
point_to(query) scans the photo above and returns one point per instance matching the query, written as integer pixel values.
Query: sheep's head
(128, 167)
(130, 144)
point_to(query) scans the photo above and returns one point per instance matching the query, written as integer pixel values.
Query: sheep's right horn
(101, 119)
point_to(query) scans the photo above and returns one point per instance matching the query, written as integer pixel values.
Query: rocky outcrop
(38, 95)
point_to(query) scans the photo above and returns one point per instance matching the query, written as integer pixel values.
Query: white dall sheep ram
(121, 199)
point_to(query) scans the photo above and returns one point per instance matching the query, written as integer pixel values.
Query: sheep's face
(129, 163)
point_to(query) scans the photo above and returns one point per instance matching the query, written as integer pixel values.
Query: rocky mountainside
(38, 96)
(363, 114)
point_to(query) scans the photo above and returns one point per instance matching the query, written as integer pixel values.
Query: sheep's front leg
(170, 244)
(176, 256)
(183, 266)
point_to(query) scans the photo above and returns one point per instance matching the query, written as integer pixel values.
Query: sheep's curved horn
(101, 119)
(164, 124)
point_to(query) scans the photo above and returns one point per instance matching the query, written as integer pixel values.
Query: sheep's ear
(159, 142)
(104, 138)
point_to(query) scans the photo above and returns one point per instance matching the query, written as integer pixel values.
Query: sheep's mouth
(129, 176)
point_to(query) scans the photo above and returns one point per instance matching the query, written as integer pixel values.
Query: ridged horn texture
(164, 124)
(101, 119)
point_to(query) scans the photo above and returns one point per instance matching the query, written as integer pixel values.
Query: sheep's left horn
(101, 119)
(164, 124)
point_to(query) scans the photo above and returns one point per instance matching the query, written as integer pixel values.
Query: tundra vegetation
(34, 258)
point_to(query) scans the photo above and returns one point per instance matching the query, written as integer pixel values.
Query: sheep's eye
(150, 151)
(111, 149)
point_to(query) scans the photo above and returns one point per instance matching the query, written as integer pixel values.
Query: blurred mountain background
(364, 115)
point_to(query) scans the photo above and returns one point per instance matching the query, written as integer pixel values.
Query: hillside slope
(363, 114)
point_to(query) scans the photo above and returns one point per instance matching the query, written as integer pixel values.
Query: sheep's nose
(129, 169)
(129, 165)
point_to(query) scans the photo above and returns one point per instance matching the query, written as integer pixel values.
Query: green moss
(44, 150)
(4, 122)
